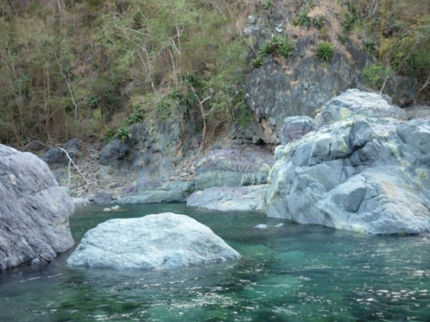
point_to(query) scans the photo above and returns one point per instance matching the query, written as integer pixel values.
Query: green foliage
(267, 5)
(280, 45)
(110, 134)
(374, 75)
(318, 22)
(283, 45)
(93, 101)
(343, 39)
(123, 134)
(349, 22)
(303, 18)
(325, 51)
(134, 117)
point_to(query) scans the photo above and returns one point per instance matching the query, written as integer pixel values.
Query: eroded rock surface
(356, 174)
(250, 198)
(153, 242)
(34, 210)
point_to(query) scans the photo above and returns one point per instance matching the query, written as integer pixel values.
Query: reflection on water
(292, 273)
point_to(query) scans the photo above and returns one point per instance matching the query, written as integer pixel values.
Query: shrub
(123, 134)
(318, 22)
(325, 51)
(283, 45)
(303, 19)
(374, 75)
(134, 117)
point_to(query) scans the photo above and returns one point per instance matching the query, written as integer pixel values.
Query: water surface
(292, 273)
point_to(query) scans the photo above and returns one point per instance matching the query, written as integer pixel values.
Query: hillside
(90, 69)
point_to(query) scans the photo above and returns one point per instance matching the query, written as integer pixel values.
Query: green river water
(292, 273)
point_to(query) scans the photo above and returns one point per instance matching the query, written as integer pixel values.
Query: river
(292, 273)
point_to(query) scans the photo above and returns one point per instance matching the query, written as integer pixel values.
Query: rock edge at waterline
(34, 210)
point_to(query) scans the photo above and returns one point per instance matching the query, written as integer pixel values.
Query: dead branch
(71, 162)
(204, 116)
(68, 87)
(426, 83)
(45, 258)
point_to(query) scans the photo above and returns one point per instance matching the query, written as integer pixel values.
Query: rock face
(34, 210)
(154, 242)
(356, 174)
(298, 86)
(233, 167)
(355, 104)
(249, 198)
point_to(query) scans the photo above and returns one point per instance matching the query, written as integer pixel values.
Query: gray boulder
(154, 242)
(114, 154)
(55, 157)
(299, 85)
(353, 104)
(170, 192)
(356, 175)
(249, 198)
(101, 197)
(233, 167)
(295, 127)
(34, 210)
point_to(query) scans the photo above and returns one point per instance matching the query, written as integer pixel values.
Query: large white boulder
(34, 210)
(367, 174)
(153, 242)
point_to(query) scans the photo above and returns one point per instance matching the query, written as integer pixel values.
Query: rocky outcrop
(55, 157)
(154, 242)
(34, 210)
(355, 104)
(249, 198)
(356, 174)
(296, 86)
(295, 127)
(233, 167)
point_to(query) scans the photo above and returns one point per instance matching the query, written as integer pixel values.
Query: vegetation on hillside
(77, 68)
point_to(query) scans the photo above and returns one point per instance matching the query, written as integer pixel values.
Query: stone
(34, 210)
(362, 174)
(295, 127)
(101, 197)
(55, 157)
(114, 153)
(402, 89)
(154, 242)
(261, 226)
(250, 198)
(233, 167)
(299, 85)
(354, 103)
(170, 192)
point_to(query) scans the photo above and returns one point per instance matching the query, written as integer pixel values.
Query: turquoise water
(293, 273)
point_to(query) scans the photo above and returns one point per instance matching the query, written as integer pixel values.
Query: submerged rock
(153, 242)
(356, 175)
(34, 210)
(249, 198)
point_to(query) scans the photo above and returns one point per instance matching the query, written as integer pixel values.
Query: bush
(123, 134)
(134, 117)
(303, 19)
(318, 22)
(325, 51)
(374, 75)
(283, 45)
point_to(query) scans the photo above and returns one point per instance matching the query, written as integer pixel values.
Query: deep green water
(293, 273)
